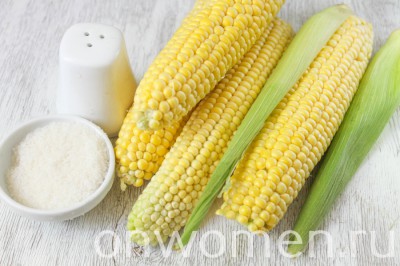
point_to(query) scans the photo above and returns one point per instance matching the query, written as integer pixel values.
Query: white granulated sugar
(57, 166)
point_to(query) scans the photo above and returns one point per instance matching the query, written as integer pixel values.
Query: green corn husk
(376, 100)
(306, 45)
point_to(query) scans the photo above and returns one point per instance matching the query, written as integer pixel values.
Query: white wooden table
(30, 33)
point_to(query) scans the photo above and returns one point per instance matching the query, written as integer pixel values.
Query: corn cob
(211, 40)
(168, 199)
(376, 100)
(299, 130)
(139, 153)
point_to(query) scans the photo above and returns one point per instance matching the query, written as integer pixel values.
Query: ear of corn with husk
(168, 200)
(298, 131)
(300, 128)
(374, 103)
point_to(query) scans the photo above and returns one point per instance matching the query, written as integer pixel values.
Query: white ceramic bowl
(16, 136)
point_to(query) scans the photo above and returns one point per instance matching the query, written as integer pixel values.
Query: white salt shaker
(95, 78)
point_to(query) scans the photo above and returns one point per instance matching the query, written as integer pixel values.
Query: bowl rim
(108, 178)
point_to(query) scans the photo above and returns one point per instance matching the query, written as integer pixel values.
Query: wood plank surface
(30, 35)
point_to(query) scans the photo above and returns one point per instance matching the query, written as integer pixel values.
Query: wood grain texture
(30, 35)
